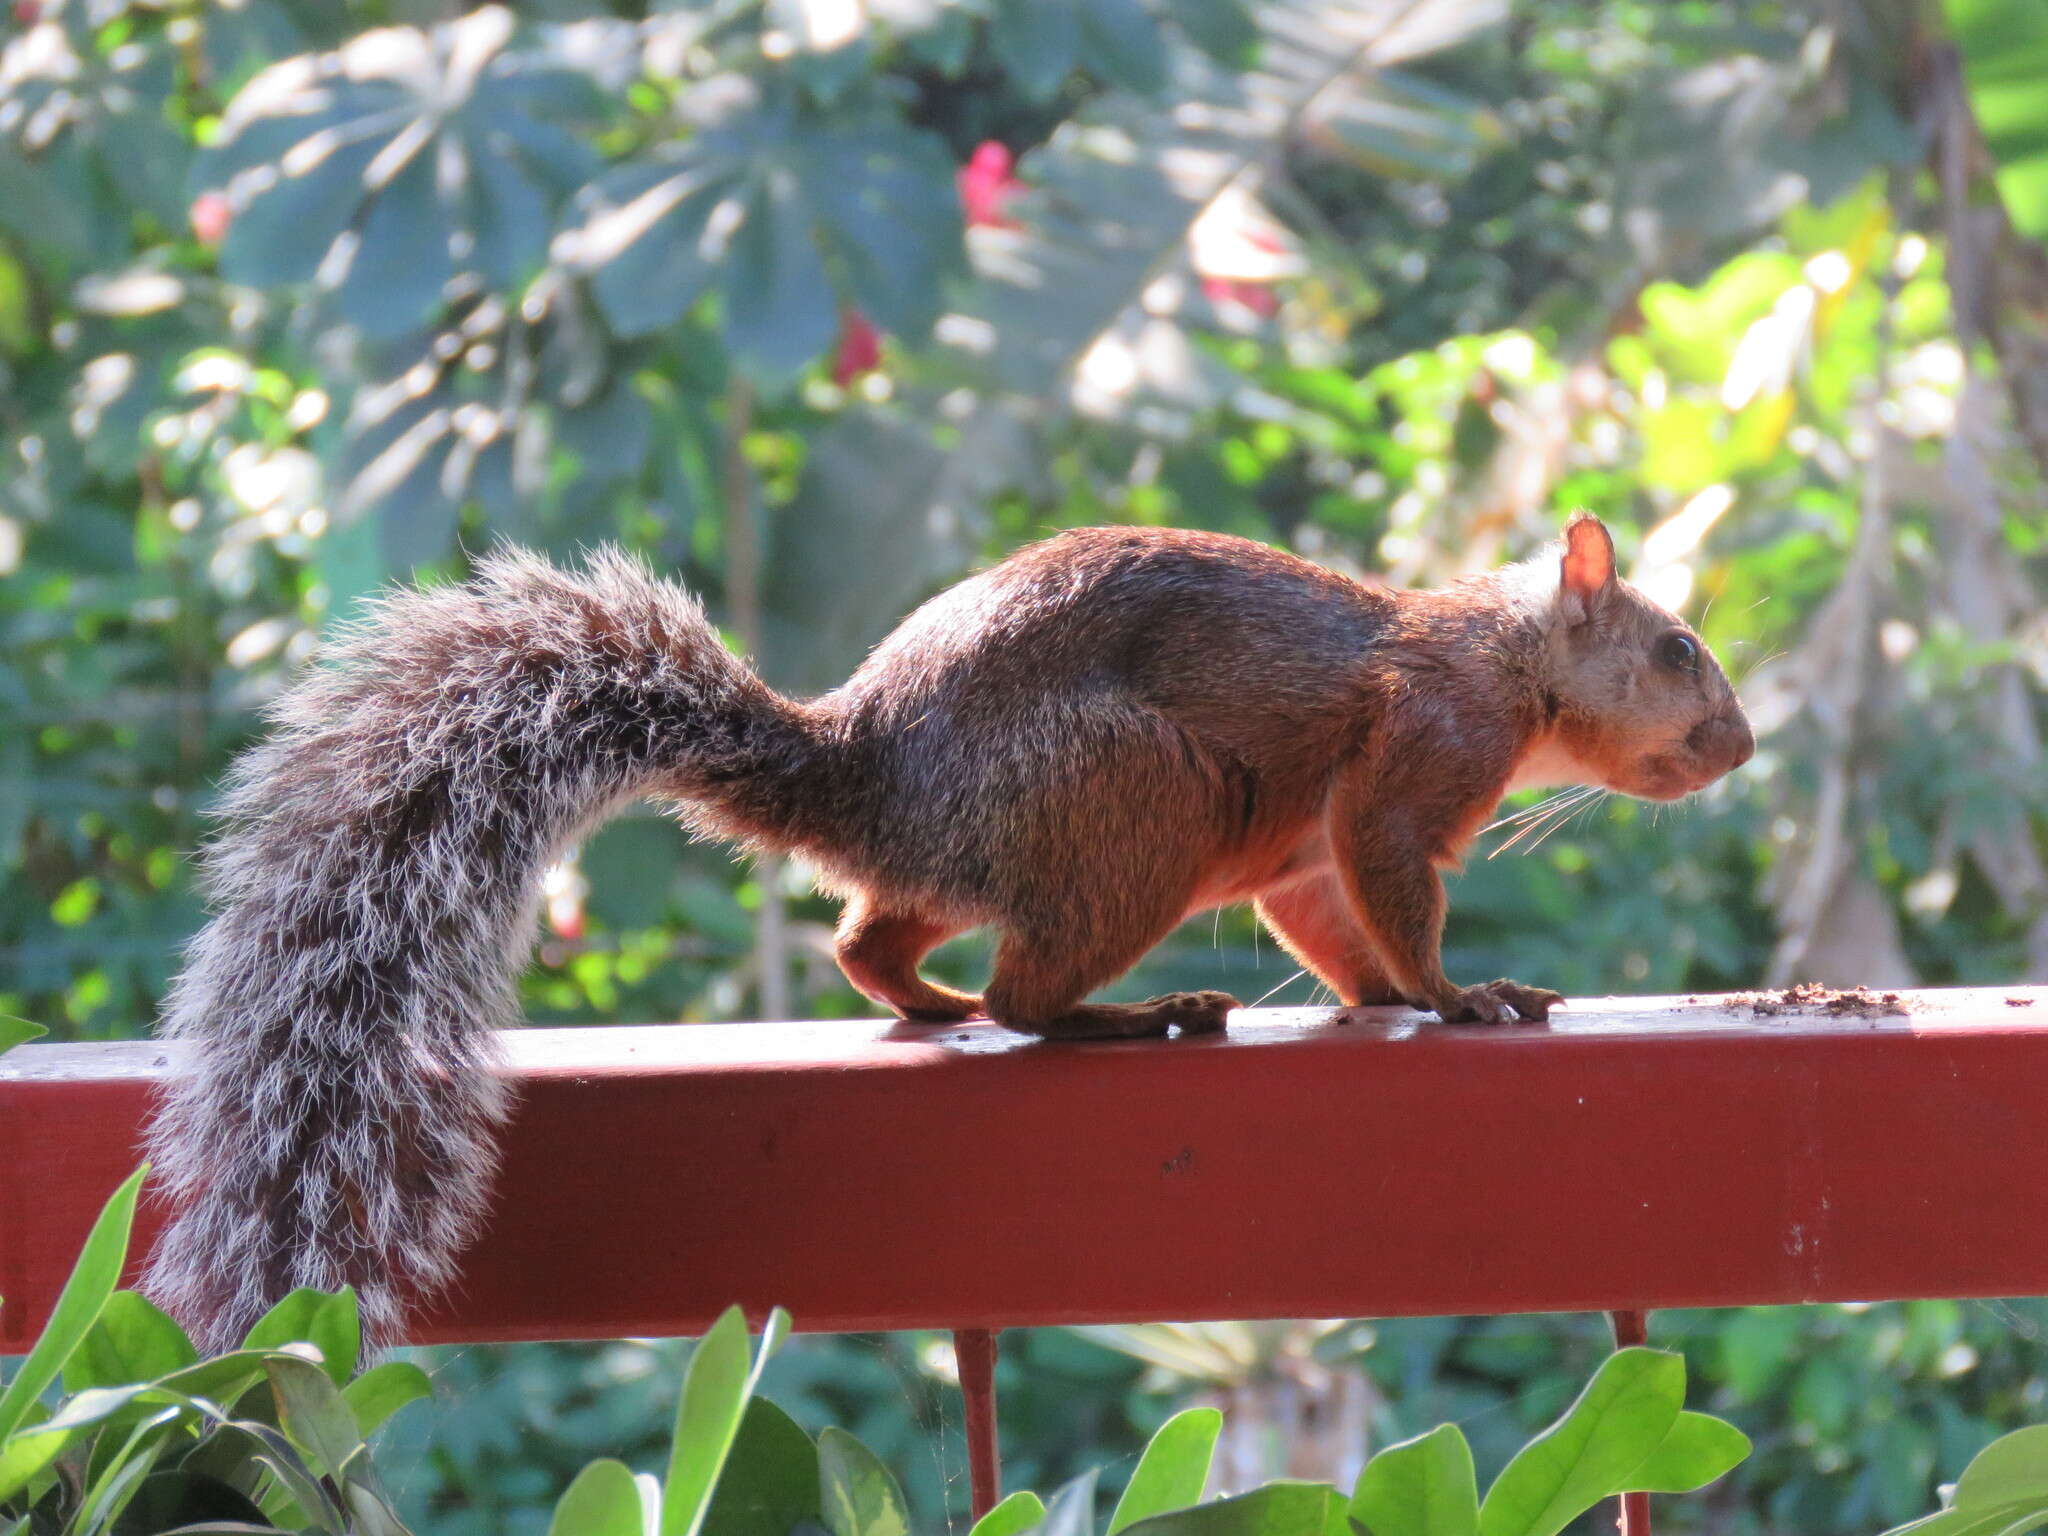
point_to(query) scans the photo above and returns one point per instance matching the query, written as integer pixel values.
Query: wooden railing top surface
(1639, 1152)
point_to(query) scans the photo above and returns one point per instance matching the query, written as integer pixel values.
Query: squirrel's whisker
(1564, 808)
(1541, 808)
(1290, 981)
(1568, 816)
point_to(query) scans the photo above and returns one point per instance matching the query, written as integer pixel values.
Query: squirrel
(1078, 747)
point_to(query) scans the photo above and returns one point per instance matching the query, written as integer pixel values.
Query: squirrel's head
(1642, 706)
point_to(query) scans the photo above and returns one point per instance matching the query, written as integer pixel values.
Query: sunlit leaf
(602, 1501)
(1013, 1515)
(92, 1281)
(716, 1388)
(1174, 1469)
(1420, 1487)
(1278, 1509)
(1622, 1416)
(1698, 1449)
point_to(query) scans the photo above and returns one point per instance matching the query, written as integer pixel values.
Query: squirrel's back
(1097, 650)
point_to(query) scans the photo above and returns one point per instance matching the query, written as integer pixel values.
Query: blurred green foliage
(821, 304)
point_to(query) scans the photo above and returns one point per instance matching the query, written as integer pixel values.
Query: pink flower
(860, 348)
(986, 184)
(211, 216)
(1256, 297)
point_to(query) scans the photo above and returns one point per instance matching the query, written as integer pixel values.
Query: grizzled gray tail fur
(375, 891)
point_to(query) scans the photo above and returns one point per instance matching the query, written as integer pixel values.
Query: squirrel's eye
(1680, 651)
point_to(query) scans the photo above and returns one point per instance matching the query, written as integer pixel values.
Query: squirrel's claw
(1195, 1013)
(1500, 1002)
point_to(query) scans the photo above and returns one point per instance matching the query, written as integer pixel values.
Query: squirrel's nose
(1725, 739)
(1745, 744)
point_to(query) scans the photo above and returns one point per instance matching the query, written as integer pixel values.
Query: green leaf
(2012, 1467)
(715, 1392)
(860, 1498)
(133, 1340)
(770, 1482)
(296, 1482)
(15, 1032)
(95, 1405)
(1223, 29)
(1173, 1470)
(366, 169)
(78, 1307)
(327, 1320)
(602, 1501)
(23, 1458)
(395, 279)
(382, 1390)
(1123, 43)
(2004, 47)
(1623, 1415)
(1071, 1510)
(1337, 1516)
(1017, 1513)
(1119, 184)
(793, 213)
(1278, 1509)
(218, 1378)
(1698, 1449)
(1984, 1520)
(313, 1413)
(1037, 42)
(189, 1502)
(146, 1441)
(2003, 1491)
(644, 239)
(1421, 1487)
(282, 235)
(779, 309)
(109, 1493)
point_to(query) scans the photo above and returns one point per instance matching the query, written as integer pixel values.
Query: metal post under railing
(1634, 1516)
(974, 1351)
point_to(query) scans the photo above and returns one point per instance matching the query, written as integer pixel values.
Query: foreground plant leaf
(78, 1307)
(382, 1390)
(133, 1340)
(770, 1482)
(2002, 1492)
(1421, 1487)
(329, 1321)
(716, 1388)
(602, 1501)
(860, 1498)
(1698, 1449)
(1019, 1512)
(1623, 1415)
(314, 1413)
(1278, 1509)
(1174, 1469)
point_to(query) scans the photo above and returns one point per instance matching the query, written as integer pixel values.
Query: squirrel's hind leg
(879, 951)
(1039, 984)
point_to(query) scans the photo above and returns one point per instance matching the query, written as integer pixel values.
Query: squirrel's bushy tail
(375, 893)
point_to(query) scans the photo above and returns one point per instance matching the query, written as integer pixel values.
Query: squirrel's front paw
(1500, 1002)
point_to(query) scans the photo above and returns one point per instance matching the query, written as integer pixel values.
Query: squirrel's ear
(1587, 577)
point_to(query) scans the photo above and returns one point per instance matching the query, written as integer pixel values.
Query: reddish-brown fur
(1078, 748)
(1119, 727)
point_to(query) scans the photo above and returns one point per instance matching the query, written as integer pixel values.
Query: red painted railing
(1636, 1154)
